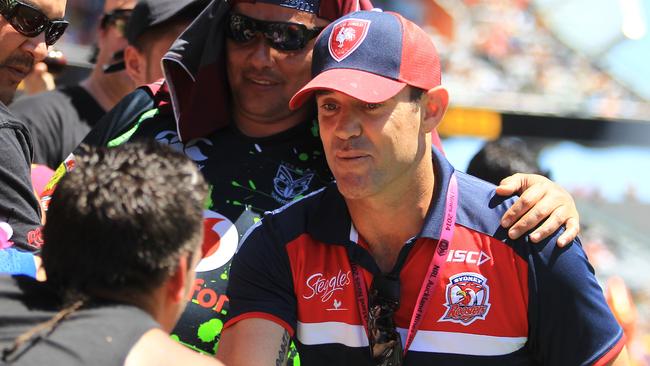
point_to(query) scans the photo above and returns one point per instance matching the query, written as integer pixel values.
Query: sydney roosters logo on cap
(347, 35)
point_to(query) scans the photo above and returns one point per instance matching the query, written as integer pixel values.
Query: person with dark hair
(120, 252)
(502, 158)
(402, 260)
(229, 78)
(151, 30)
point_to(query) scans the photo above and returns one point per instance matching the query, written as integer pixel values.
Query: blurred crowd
(498, 54)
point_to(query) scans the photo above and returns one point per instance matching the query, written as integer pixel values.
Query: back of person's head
(120, 221)
(502, 158)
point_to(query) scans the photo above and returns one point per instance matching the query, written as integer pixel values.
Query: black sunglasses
(118, 18)
(283, 36)
(383, 302)
(30, 21)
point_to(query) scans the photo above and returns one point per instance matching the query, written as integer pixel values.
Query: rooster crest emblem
(346, 36)
(467, 298)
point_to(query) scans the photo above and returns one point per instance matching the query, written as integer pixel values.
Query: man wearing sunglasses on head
(60, 119)
(27, 28)
(229, 78)
(403, 261)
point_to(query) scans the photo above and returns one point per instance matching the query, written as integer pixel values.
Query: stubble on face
(13, 70)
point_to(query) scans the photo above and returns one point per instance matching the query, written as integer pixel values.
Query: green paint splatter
(195, 301)
(208, 200)
(224, 312)
(175, 338)
(257, 219)
(252, 184)
(224, 276)
(293, 354)
(303, 157)
(314, 128)
(178, 339)
(317, 153)
(237, 203)
(209, 331)
(235, 184)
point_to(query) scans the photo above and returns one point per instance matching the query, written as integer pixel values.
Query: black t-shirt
(19, 210)
(58, 121)
(97, 334)
(247, 177)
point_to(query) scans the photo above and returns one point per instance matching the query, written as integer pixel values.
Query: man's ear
(177, 282)
(436, 102)
(135, 64)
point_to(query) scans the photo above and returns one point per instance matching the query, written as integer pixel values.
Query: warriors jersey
(497, 301)
(247, 177)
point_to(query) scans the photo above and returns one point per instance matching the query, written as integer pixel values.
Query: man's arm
(570, 322)
(540, 199)
(271, 343)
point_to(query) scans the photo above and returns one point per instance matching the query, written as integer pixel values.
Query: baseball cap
(150, 13)
(371, 56)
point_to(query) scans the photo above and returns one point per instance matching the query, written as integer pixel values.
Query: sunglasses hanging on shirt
(30, 21)
(283, 36)
(383, 302)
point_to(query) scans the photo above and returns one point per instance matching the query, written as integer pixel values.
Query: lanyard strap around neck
(433, 273)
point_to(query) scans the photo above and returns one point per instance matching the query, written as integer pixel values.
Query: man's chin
(6, 97)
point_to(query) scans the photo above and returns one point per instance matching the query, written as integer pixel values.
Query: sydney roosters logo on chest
(323, 286)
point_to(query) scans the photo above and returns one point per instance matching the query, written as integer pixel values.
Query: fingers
(550, 226)
(571, 232)
(543, 201)
(512, 184)
(514, 214)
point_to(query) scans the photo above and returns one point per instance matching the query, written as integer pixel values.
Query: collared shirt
(499, 301)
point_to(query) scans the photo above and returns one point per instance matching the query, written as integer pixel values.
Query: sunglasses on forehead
(283, 36)
(383, 302)
(117, 18)
(30, 21)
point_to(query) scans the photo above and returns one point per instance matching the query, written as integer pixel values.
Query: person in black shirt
(124, 239)
(21, 45)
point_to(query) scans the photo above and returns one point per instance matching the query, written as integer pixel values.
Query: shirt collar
(330, 221)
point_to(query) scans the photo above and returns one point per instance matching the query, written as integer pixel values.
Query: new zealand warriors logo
(287, 187)
(347, 36)
(467, 298)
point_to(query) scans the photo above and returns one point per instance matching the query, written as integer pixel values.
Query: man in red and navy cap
(225, 103)
(402, 260)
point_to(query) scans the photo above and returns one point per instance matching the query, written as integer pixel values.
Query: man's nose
(36, 47)
(348, 125)
(261, 55)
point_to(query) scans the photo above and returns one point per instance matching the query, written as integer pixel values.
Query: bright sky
(598, 28)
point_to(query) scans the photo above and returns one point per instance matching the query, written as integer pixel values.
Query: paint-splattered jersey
(247, 177)
(498, 301)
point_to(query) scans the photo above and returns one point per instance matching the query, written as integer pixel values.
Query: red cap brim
(358, 84)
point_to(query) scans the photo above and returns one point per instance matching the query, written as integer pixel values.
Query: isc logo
(465, 256)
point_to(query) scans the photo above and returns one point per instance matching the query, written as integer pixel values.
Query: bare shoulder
(156, 348)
